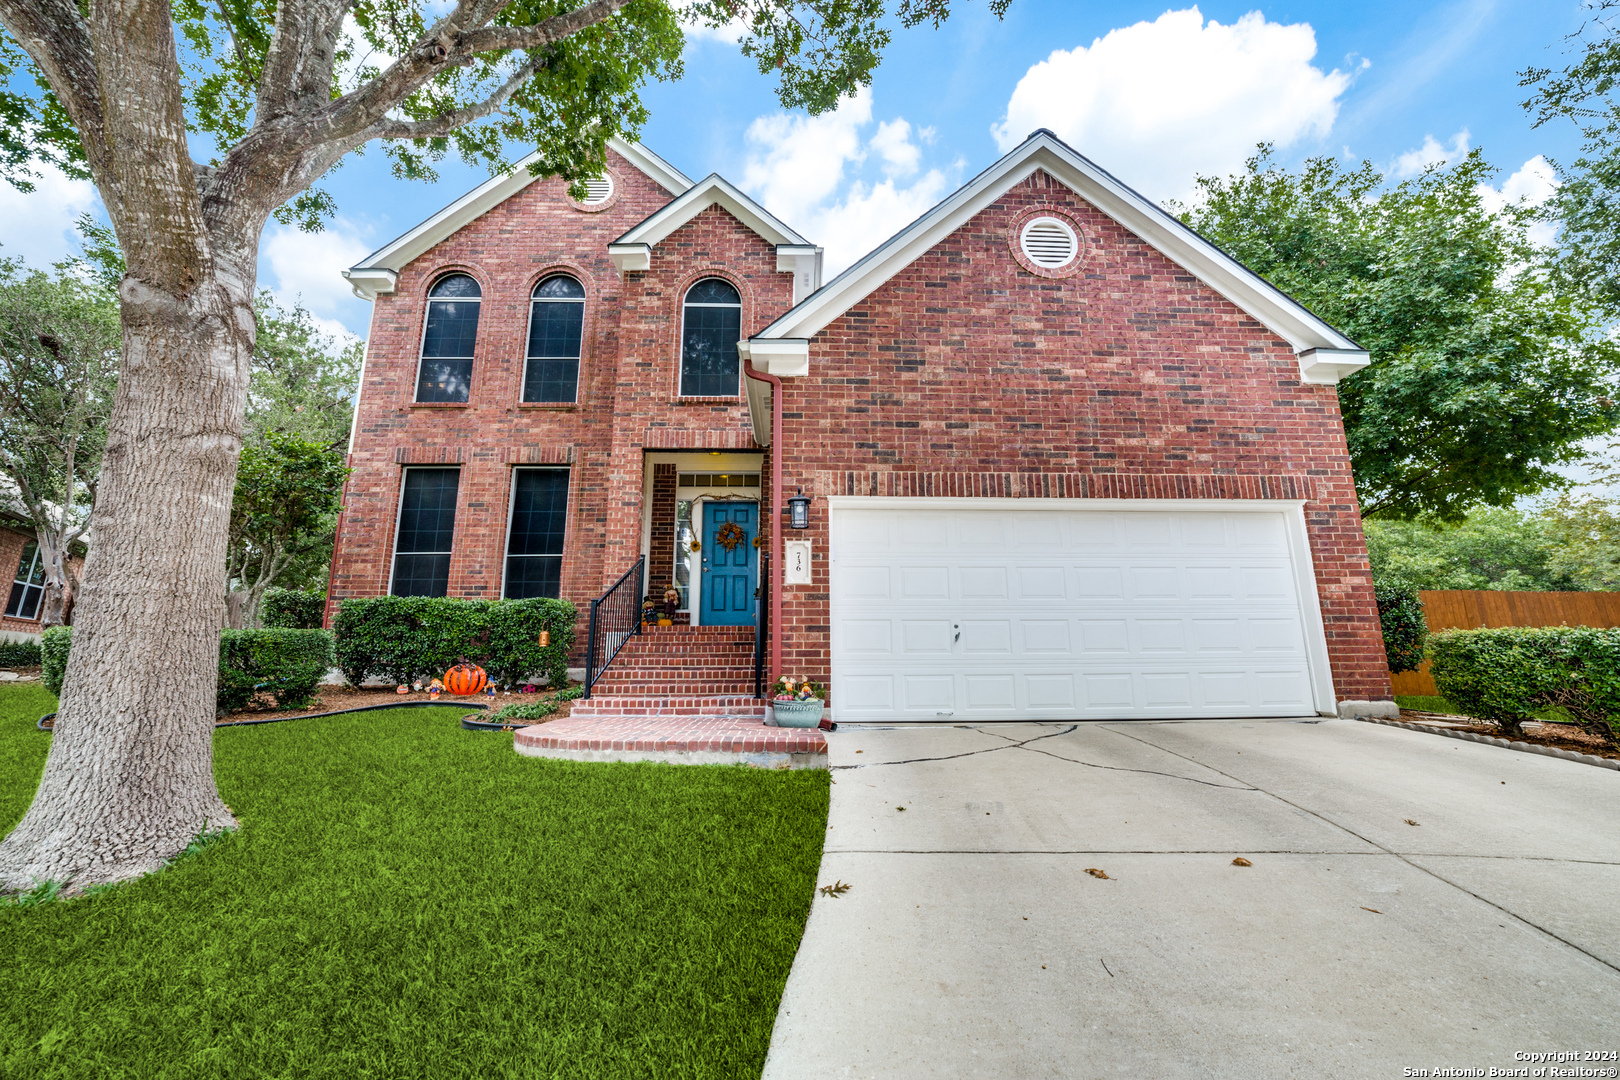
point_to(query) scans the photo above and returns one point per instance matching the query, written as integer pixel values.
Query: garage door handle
(958, 628)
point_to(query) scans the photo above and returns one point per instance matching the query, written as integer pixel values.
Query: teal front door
(730, 570)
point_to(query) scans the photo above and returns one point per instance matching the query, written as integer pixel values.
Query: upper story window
(447, 344)
(29, 585)
(711, 325)
(556, 325)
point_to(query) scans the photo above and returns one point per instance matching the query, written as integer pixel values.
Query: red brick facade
(628, 398)
(970, 373)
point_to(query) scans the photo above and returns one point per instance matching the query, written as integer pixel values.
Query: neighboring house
(25, 583)
(1065, 459)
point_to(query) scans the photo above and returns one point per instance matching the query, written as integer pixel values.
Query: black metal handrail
(762, 622)
(615, 619)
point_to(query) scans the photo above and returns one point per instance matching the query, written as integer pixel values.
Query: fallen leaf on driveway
(1241, 861)
(899, 808)
(1409, 821)
(1374, 910)
(835, 890)
(1094, 872)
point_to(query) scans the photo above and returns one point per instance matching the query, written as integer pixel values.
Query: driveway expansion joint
(1390, 851)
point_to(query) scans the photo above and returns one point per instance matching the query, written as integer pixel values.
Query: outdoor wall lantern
(799, 511)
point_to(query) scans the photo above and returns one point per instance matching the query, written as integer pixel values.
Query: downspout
(776, 513)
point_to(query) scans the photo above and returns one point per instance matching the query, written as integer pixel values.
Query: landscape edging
(311, 716)
(1507, 744)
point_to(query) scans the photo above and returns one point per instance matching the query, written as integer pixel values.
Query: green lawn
(407, 899)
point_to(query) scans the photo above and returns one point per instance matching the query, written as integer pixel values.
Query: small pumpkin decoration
(465, 679)
(730, 535)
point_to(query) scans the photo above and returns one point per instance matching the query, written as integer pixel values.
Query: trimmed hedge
(292, 609)
(15, 654)
(53, 649)
(406, 638)
(1405, 632)
(286, 664)
(1509, 674)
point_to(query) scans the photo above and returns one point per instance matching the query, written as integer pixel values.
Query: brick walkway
(691, 740)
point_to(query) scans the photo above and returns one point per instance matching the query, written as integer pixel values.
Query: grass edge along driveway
(409, 899)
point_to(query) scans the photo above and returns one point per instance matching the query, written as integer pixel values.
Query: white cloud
(1160, 102)
(797, 167)
(1431, 153)
(893, 143)
(728, 33)
(38, 227)
(1532, 185)
(306, 266)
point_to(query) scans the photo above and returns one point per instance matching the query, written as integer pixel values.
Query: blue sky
(1153, 92)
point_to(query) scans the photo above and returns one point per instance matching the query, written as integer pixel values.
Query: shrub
(1405, 633)
(286, 664)
(18, 654)
(1508, 674)
(534, 710)
(405, 638)
(292, 609)
(53, 650)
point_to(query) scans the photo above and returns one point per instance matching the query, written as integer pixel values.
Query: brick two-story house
(1063, 458)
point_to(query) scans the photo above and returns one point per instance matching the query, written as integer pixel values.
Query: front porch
(677, 739)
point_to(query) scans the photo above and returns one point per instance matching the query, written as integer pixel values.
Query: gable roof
(1326, 355)
(377, 272)
(630, 251)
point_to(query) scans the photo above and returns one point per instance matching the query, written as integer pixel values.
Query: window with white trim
(534, 541)
(556, 327)
(711, 326)
(29, 585)
(427, 528)
(448, 340)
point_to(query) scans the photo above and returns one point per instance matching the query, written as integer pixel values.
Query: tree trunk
(236, 603)
(53, 555)
(129, 781)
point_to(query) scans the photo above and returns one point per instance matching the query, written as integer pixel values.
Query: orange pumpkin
(465, 679)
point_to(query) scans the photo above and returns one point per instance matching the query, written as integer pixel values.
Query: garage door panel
(1009, 614)
(984, 583)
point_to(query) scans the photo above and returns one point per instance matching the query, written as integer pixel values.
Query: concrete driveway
(974, 942)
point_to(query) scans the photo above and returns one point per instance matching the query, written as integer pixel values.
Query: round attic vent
(1049, 243)
(598, 190)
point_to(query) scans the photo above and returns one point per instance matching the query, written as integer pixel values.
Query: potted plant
(797, 702)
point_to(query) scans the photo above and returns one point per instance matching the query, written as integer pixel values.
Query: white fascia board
(497, 189)
(803, 261)
(1279, 312)
(782, 357)
(370, 281)
(1325, 367)
(631, 256)
(713, 190)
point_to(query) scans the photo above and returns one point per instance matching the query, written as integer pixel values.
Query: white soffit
(1278, 311)
(367, 278)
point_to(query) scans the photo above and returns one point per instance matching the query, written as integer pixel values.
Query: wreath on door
(730, 535)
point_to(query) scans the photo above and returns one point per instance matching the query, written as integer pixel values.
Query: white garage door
(943, 612)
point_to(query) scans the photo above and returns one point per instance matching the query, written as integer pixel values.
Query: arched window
(447, 345)
(711, 327)
(556, 324)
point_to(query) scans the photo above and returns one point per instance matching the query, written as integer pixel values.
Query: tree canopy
(1487, 370)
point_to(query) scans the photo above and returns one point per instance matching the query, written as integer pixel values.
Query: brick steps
(679, 671)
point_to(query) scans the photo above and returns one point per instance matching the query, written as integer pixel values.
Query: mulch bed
(1557, 736)
(339, 698)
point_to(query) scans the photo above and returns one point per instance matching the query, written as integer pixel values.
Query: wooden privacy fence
(1451, 609)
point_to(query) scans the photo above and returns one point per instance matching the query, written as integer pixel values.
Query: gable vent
(1049, 243)
(598, 190)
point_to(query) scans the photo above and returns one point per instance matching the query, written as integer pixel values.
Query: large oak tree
(285, 89)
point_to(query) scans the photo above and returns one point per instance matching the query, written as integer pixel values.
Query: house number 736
(796, 562)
